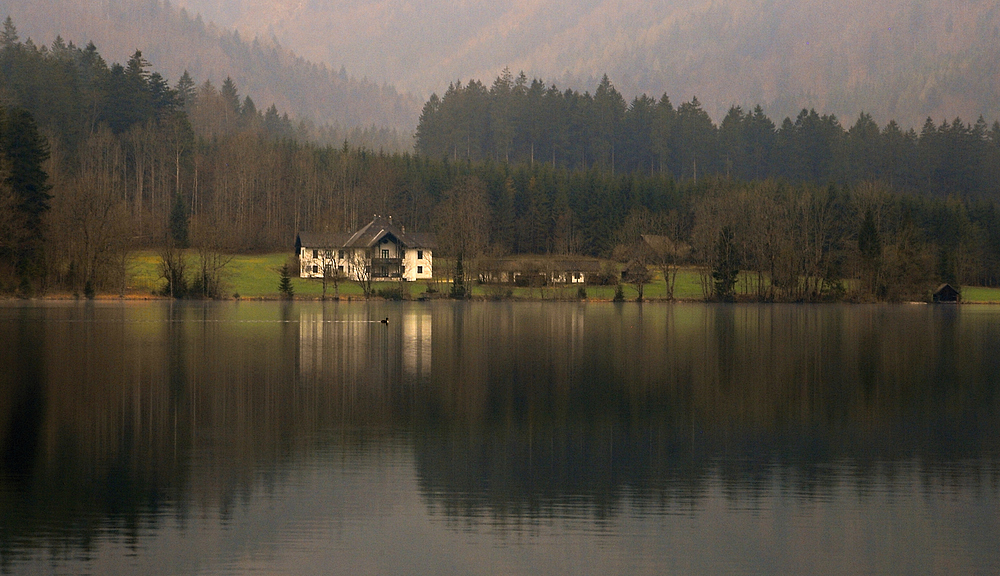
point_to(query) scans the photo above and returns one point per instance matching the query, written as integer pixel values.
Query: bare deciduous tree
(361, 267)
(214, 245)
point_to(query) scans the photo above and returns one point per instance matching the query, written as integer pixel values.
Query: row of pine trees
(515, 120)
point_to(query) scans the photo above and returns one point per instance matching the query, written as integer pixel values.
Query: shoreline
(134, 297)
(255, 277)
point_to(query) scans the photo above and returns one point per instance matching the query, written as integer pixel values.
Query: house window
(315, 253)
(341, 267)
(340, 255)
(420, 269)
(385, 253)
(315, 269)
(420, 254)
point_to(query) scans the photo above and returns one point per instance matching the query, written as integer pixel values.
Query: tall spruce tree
(22, 152)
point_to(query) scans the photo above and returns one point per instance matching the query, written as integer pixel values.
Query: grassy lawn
(257, 276)
(978, 294)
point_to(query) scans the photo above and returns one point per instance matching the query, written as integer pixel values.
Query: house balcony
(387, 267)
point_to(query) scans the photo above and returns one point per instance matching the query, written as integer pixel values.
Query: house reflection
(416, 350)
(347, 345)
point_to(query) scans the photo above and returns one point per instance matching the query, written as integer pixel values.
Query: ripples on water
(506, 438)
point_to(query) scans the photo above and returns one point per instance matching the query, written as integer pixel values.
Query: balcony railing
(387, 267)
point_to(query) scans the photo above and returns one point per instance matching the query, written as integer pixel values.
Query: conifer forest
(99, 161)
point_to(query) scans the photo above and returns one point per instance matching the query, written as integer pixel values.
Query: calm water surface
(498, 438)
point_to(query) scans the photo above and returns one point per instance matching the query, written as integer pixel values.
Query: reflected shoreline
(115, 416)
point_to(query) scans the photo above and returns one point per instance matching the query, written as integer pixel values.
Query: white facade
(312, 260)
(417, 264)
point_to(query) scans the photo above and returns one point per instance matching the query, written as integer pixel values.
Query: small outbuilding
(947, 293)
(538, 271)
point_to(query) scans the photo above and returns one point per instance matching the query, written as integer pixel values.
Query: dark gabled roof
(662, 244)
(578, 265)
(946, 289)
(321, 239)
(366, 237)
(422, 240)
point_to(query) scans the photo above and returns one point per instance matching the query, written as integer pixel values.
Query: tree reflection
(515, 412)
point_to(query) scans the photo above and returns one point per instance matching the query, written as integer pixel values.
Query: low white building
(381, 250)
(538, 271)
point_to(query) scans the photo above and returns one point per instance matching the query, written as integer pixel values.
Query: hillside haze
(896, 59)
(174, 40)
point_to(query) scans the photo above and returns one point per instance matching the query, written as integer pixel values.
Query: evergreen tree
(760, 142)
(8, 38)
(502, 115)
(727, 266)
(662, 140)
(285, 287)
(248, 111)
(733, 141)
(429, 129)
(637, 139)
(864, 150)
(619, 293)
(609, 112)
(22, 153)
(231, 97)
(179, 222)
(694, 141)
(458, 289)
(185, 90)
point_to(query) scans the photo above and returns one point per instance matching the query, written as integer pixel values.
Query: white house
(381, 250)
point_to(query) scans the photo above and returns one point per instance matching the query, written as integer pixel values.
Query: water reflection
(121, 423)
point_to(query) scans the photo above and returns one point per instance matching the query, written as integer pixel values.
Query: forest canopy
(517, 120)
(806, 211)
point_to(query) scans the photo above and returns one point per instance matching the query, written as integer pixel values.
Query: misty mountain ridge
(895, 59)
(173, 40)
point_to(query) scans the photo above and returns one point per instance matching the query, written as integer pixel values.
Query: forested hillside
(517, 120)
(894, 59)
(174, 40)
(98, 161)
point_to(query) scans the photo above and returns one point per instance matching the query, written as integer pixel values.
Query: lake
(498, 438)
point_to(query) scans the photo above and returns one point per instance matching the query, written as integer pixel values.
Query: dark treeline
(133, 162)
(120, 150)
(518, 120)
(176, 40)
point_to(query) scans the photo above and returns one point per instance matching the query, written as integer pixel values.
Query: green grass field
(980, 294)
(257, 276)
